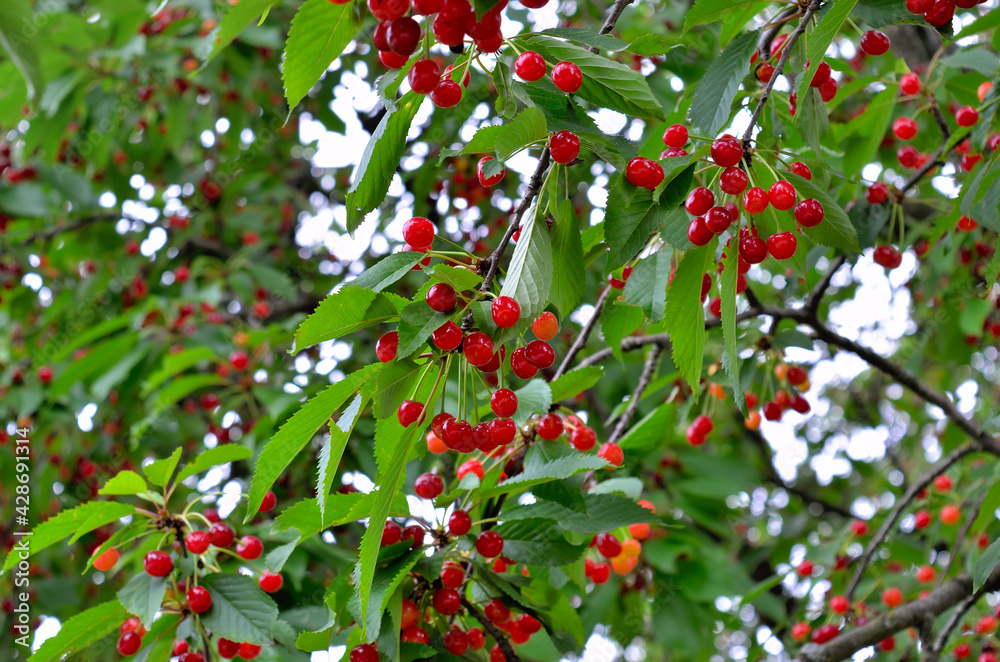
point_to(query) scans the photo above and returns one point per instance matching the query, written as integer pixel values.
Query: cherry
(907, 156)
(752, 248)
(926, 574)
(180, 648)
(583, 438)
(706, 285)
(782, 195)
(502, 431)
(45, 374)
(387, 10)
(386, 347)
(962, 651)
(772, 411)
(764, 72)
(503, 402)
(549, 426)
(755, 200)
(950, 515)
(409, 616)
(859, 527)
(909, 84)
(718, 219)
(922, 519)
(874, 42)
(447, 601)
(415, 635)
(107, 560)
(943, 483)
(612, 453)
(157, 563)
(364, 653)
(800, 404)
(782, 245)
(567, 77)
(452, 575)
(271, 583)
(419, 232)
(447, 94)
(534, 4)
(489, 544)
(809, 213)
(675, 136)
(268, 503)
(249, 548)
(801, 169)
(478, 348)
(698, 232)
(458, 436)
(800, 631)
(877, 193)
(414, 534)
(703, 425)
(441, 297)
(805, 569)
(564, 146)
(699, 201)
(892, 597)
(459, 523)
(391, 534)
(437, 423)
(733, 181)
(506, 312)
(546, 326)
(424, 76)
(456, 642)
(391, 60)
(129, 644)
(530, 66)
(497, 612)
(644, 173)
(727, 152)
(940, 13)
(825, 633)
(199, 600)
(423, 8)
(477, 638)
(966, 116)
(821, 76)
(403, 36)
(488, 181)
(887, 256)
(249, 651)
(132, 624)
(608, 545)
(904, 128)
(447, 337)
(197, 542)
(539, 354)
(221, 535)
(429, 486)
(520, 365)
(839, 604)
(409, 412)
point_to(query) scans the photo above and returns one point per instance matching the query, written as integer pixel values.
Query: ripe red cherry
(546, 326)
(805, 569)
(698, 232)
(249, 547)
(447, 337)
(157, 563)
(564, 147)
(887, 256)
(782, 195)
(549, 426)
(418, 232)
(387, 10)
(221, 534)
(822, 75)
(809, 213)
(386, 347)
(452, 575)
(429, 486)
(907, 156)
(414, 534)
(506, 312)
(249, 651)
(503, 402)
(478, 348)
(782, 245)
(718, 219)
(129, 644)
(456, 642)
(408, 412)
(801, 169)
(727, 152)
(966, 116)
(423, 8)
(447, 94)
(825, 633)
(271, 583)
(520, 365)
(600, 573)
(459, 523)
(530, 66)
(197, 542)
(892, 597)
(539, 354)
(644, 173)
(458, 436)
(919, 6)
(752, 248)
(199, 600)
(391, 534)
(675, 136)
(583, 438)
(909, 84)
(180, 647)
(268, 503)
(403, 36)
(424, 76)
(364, 653)
(502, 431)
(497, 612)
(441, 297)
(489, 544)
(950, 515)
(904, 128)
(877, 193)
(874, 42)
(839, 604)
(392, 61)
(699, 201)
(447, 601)
(608, 545)
(567, 77)
(488, 181)
(755, 200)
(733, 181)
(612, 453)
(415, 635)
(940, 13)
(764, 72)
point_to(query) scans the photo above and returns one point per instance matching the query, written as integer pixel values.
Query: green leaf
(977, 59)
(821, 38)
(569, 274)
(82, 519)
(604, 512)
(25, 200)
(731, 357)
(182, 387)
(318, 35)
(617, 322)
(987, 511)
(305, 515)
(606, 83)
(882, 13)
(395, 383)
(18, 38)
(160, 471)
(214, 457)
(529, 275)
(174, 365)
(143, 596)
(387, 580)
(985, 565)
(240, 611)
(298, 431)
(587, 37)
(710, 11)
(459, 278)
(988, 22)
(685, 315)
(333, 449)
(712, 104)
(537, 542)
(387, 271)
(506, 101)
(237, 19)
(417, 322)
(97, 359)
(651, 45)
(123, 483)
(811, 119)
(563, 467)
(380, 159)
(971, 319)
(525, 129)
(347, 310)
(628, 486)
(81, 630)
(836, 229)
(533, 397)
(646, 288)
(575, 382)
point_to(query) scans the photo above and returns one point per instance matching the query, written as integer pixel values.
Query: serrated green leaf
(587, 37)
(124, 483)
(333, 448)
(569, 274)
(394, 383)
(416, 324)
(882, 13)
(387, 580)
(18, 38)
(525, 129)
(529, 275)
(836, 229)
(537, 542)
(240, 611)
(628, 486)
(811, 119)
(709, 11)
(347, 310)
(160, 471)
(563, 467)
(712, 104)
(987, 511)
(646, 288)
(977, 59)
(380, 159)
(605, 512)
(95, 361)
(213, 457)
(535, 396)
(80, 631)
(319, 32)
(617, 322)
(985, 565)
(506, 104)
(143, 596)
(387, 271)
(685, 315)
(575, 382)
(731, 357)
(238, 18)
(821, 38)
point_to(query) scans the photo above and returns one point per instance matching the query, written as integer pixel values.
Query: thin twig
(645, 378)
(581, 340)
(821, 287)
(616, 12)
(939, 118)
(934, 650)
(494, 631)
(52, 232)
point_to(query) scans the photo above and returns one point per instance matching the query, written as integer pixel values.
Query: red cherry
(456, 642)
(940, 13)
(909, 84)
(387, 10)
(892, 597)
(447, 94)
(506, 312)
(447, 601)
(698, 232)
(503, 402)
(488, 181)
(612, 453)
(271, 583)
(733, 181)
(180, 648)
(403, 36)
(268, 503)
(887, 256)
(478, 348)
(564, 146)
(221, 534)
(608, 545)
(583, 438)
(801, 169)
(727, 152)
(764, 72)
(782, 195)
(415, 635)
(549, 426)
(422, 8)
(447, 337)
(459, 523)
(391, 534)
(249, 547)
(825, 633)
(424, 76)
(497, 612)
(904, 128)
(919, 6)
(821, 76)
(520, 365)
(199, 600)
(429, 486)
(675, 136)
(839, 604)
(699, 201)
(567, 77)
(441, 297)
(107, 560)
(782, 245)
(129, 644)
(926, 574)
(752, 248)
(249, 651)
(539, 354)
(157, 563)
(644, 173)
(546, 326)
(409, 412)
(966, 116)
(922, 519)
(489, 544)
(197, 542)
(877, 193)
(907, 156)
(755, 200)
(809, 213)
(364, 653)
(530, 66)
(458, 436)
(772, 411)
(502, 431)
(418, 232)
(391, 60)
(718, 219)
(874, 42)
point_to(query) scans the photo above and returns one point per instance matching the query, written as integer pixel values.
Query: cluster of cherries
(822, 80)
(196, 599)
(939, 12)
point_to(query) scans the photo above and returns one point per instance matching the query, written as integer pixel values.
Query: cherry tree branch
(54, 231)
(616, 12)
(581, 340)
(816, 296)
(648, 370)
(934, 650)
(779, 68)
(509, 653)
